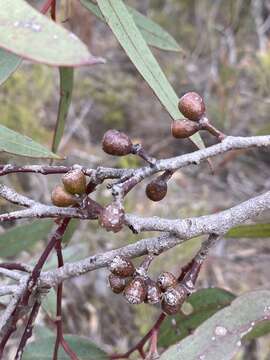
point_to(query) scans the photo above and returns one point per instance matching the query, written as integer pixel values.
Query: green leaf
(17, 144)
(31, 35)
(129, 36)
(203, 304)
(259, 330)
(41, 332)
(8, 64)
(220, 337)
(23, 237)
(66, 86)
(250, 231)
(152, 33)
(43, 349)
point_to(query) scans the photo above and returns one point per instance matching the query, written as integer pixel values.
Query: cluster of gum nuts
(137, 287)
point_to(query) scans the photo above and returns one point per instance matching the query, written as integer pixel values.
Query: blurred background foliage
(226, 58)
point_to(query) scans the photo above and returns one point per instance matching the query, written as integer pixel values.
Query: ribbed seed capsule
(60, 197)
(192, 106)
(153, 293)
(117, 283)
(121, 266)
(182, 129)
(166, 280)
(74, 182)
(156, 190)
(112, 218)
(116, 143)
(135, 291)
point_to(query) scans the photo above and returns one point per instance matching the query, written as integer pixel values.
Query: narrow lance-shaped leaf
(15, 143)
(129, 36)
(66, 86)
(8, 64)
(250, 231)
(31, 35)
(152, 33)
(220, 337)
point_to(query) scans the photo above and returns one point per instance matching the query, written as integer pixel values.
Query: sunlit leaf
(129, 36)
(31, 35)
(152, 33)
(17, 144)
(8, 64)
(66, 86)
(23, 237)
(220, 337)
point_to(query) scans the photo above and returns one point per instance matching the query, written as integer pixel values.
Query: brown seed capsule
(192, 106)
(153, 293)
(156, 190)
(60, 197)
(173, 299)
(74, 182)
(135, 291)
(116, 143)
(117, 283)
(166, 280)
(182, 129)
(121, 266)
(112, 217)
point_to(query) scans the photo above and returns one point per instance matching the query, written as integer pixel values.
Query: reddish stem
(46, 6)
(53, 10)
(27, 331)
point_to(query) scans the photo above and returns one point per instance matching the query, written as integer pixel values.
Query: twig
(11, 274)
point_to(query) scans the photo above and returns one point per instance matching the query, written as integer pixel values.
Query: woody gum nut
(112, 218)
(116, 143)
(74, 182)
(135, 291)
(156, 190)
(182, 129)
(153, 295)
(166, 280)
(192, 106)
(121, 266)
(60, 197)
(117, 283)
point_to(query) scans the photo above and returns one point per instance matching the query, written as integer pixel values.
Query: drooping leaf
(31, 35)
(129, 36)
(250, 231)
(152, 33)
(220, 337)
(43, 349)
(17, 144)
(66, 86)
(259, 330)
(203, 304)
(23, 237)
(8, 64)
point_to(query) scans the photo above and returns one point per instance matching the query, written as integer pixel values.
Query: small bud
(156, 190)
(182, 129)
(74, 182)
(173, 299)
(121, 266)
(135, 291)
(112, 217)
(116, 143)
(153, 293)
(192, 106)
(60, 197)
(166, 280)
(117, 283)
